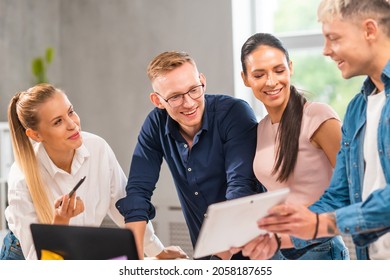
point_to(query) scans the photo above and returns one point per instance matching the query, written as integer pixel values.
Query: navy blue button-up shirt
(216, 168)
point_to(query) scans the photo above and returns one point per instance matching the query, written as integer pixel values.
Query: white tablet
(233, 223)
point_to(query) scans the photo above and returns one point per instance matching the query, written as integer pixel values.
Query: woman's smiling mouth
(273, 92)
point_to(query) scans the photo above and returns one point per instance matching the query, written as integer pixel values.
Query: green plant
(40, 64)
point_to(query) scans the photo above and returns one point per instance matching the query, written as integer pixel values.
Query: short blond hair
(378, 10)
(166, 62)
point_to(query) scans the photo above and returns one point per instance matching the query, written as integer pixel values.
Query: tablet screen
(233, 223)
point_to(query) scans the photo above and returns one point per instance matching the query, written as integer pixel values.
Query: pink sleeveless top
(313, 170)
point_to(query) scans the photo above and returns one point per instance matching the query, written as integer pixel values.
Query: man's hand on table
(172, 252)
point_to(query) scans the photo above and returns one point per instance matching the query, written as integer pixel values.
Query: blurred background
(97, 51)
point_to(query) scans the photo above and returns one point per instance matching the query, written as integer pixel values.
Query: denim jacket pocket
(11, 249)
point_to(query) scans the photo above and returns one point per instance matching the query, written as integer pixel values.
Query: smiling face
(178, 81)
(347, 45)
(59, 126)
(268, 74)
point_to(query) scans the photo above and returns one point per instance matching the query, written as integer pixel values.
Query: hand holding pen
(75, 188)
(68, 206)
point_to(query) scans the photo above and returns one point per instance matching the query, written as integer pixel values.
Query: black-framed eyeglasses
(178, 99)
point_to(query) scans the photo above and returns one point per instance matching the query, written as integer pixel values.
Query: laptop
(83, 243)
(233, 223)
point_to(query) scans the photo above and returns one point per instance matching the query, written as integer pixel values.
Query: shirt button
(196, 193)
(189, 169)
(185, 145)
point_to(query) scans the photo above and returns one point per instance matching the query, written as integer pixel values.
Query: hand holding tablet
(233, 223)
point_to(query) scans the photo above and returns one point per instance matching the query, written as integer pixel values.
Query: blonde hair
(23, 114)
(166, 62)
(378, 10)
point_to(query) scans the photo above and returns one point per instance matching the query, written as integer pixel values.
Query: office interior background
(101, 50)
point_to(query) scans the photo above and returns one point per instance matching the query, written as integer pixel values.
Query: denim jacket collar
(368, 85)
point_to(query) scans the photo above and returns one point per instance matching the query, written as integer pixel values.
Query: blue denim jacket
(365, 221)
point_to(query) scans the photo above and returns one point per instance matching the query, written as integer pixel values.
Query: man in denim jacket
(357, 202)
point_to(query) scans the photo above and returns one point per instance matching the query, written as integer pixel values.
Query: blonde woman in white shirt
(45, 172)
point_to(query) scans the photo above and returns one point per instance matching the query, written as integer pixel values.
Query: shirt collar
(368, 85)
(80, 156)
(386, 74)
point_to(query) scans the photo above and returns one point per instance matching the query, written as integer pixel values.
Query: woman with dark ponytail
(51, 155)
(297, 144)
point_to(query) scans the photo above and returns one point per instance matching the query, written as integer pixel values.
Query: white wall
(102, 49)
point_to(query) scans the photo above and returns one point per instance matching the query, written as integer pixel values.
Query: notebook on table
(83, 243)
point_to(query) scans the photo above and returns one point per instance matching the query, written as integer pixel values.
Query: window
(295, 23)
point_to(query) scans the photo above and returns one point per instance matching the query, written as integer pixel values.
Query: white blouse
(104, 185)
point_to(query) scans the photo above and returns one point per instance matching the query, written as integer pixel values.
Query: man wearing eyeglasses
(208, 142)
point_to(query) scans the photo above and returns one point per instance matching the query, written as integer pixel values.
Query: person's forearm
(138, 229)
(327, 225)
(285, 241)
